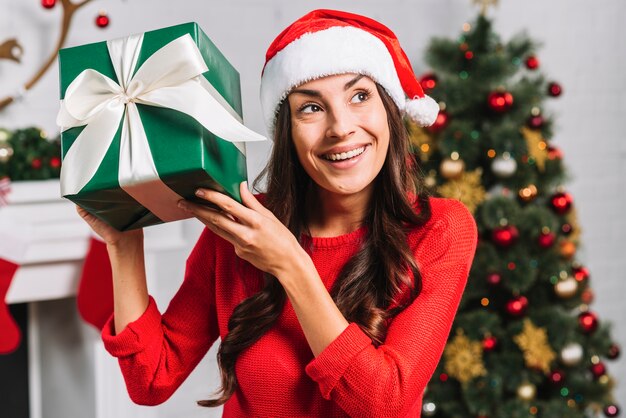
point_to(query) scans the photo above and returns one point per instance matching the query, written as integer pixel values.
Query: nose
(340, 122)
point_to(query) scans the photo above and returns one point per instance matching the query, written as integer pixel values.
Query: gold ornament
(533, 341)
(567, 248)
(526, 391)
(421, 140)
(537, 147)
(567, 288)
(528, 193)
(572, 354)
(451, 169)
(467, 188)
(463, 358)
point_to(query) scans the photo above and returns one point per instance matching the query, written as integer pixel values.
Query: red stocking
(95, 291)
(10, 335)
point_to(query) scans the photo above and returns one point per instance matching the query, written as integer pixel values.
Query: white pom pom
(423, 110)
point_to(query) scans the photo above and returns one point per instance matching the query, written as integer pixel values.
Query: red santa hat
(328, 42)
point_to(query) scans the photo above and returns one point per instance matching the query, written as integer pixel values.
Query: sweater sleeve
(386, 381)
(156, 353)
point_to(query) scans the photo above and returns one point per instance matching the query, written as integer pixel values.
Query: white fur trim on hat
(336, 50)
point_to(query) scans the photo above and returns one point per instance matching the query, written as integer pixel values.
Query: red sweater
(278, 376)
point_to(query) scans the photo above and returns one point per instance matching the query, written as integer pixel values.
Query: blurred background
(60, 368)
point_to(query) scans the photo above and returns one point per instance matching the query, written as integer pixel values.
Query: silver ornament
(429, 409)
(566, 288)
(572, 354)
(504, 166)
(6, 152)
(451, 169)
(526, 391)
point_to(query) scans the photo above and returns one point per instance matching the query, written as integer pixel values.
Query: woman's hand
(257, 235)
(111, 236)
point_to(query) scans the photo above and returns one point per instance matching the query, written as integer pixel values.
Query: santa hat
(329, 42)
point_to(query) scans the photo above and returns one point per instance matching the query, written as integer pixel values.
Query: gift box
(145, 121)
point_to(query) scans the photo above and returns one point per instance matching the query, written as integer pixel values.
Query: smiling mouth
(342, 156)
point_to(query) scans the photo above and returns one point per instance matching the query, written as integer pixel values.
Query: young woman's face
(340, 131)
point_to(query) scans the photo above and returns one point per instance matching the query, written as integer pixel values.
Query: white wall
(582, 51)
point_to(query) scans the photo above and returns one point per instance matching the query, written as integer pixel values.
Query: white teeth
(345, 155)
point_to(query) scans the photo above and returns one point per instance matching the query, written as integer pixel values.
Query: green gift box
(146, 120)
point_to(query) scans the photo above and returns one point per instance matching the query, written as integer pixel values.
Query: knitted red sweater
(278, 376)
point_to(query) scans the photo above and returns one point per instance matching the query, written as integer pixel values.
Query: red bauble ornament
(494, 279)
(614, 351)
(517, 306)
(500, 101)
(554, 153)
(580, 273)
(55, 162)
(554, 89)
(532, 62)
(566, 229)
(546, 239)
(505, 236)
(561, 202)
(535, 122)
(598, 369)
(440, 123)
(611, 411)
(490, 343)
(443, 377)
(469, 55)
(48, 4)
(36, 163)
(428, 81)
(587, 296)
(588, 322)
(556, 377)
(102, 20)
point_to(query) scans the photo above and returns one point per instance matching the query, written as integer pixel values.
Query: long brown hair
(375, 278)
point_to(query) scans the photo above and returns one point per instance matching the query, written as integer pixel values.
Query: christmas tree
(525, 341)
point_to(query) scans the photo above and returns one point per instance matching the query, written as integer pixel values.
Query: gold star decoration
(463, 358)
(533, 341)
(467, 188)
(484, 5)
(537, 147)
(421, 140)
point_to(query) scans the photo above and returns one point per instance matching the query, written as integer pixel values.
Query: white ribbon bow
(170, 78)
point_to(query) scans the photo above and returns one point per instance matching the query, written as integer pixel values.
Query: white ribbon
(170, 78)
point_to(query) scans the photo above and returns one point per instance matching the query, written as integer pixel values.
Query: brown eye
(359, 97)
(310, 108)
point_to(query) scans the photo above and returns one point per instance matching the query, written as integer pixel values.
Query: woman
(333, 292)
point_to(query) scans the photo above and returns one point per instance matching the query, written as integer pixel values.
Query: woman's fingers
(229, 206)
(218, 222)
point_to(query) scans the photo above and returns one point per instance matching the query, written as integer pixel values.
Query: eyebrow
(315, 93)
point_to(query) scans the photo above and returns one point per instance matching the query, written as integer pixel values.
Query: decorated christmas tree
(526, 341)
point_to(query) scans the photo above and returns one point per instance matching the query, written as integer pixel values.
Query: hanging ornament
(36, 163)
(102, 20)
(468, 189)
(528, 193)
(463, 358)
(55, 162)
(533, 342)
(505, 236)
(490, 343)
(566, 229)
(561, 202)
(598, 370)
(567, 288)
(546, 239)
(504, 166)
(500, 101)
(494, 279)
(554, 89)
(532, 63)
(611, 410)
(429, 409)
(517, 306)
(580, 273)
(440, 123)
(430, 180)
(554, 153)
(587, 296)
(588, 322)
(6, 152)
(451, 168)
(535, 122)
(526, 391)
(537, 147)
(421, 140)
(48, 4)
(428, 81)
(556, 377)
(571, 354)
(614, 351)
(567, 248)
